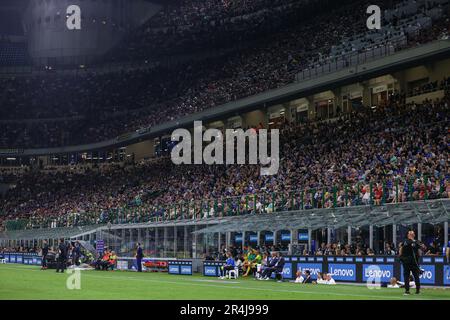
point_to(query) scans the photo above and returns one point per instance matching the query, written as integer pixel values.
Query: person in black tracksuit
(409, 255)
(76, 253)
(44, 254)
(62, 256)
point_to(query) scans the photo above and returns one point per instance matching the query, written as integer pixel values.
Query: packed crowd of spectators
(395, 153)
(94, 106)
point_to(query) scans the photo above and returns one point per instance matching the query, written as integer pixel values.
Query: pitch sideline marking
(235, 287)
(255, 288)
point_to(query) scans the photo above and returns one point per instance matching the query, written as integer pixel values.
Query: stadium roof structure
(430, 211)
(51, 233)
(406, 213)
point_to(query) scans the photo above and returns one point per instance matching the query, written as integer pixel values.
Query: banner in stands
(269, 237)
(286, 236)
(303, 236)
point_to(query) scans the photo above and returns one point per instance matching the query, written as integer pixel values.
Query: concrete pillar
(147, 238)
(186, 242)
(219, 240)
(446, 234)
(165, 242)
(131, 242)
(274, 237)
(258, 239)
(419, 231)
(394, 234)
(294, 236)
(194, 243)
(371, 236)
(139, 230)
(309, 240)
(328, 235)
(243, 240)
(349, 234)
(175, 241)
(156, 240)
(228, 237)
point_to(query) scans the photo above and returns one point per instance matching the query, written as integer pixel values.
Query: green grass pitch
(29, 282)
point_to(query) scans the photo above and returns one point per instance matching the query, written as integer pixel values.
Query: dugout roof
(432, 212)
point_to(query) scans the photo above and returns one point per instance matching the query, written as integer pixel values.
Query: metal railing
(347, 195)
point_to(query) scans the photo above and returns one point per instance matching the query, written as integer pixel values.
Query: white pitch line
(255, 288)
(239, 287)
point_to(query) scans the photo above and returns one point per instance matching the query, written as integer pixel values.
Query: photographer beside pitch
(409, 253)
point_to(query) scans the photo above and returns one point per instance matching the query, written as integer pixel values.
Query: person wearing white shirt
(330, 280)
(325, 279)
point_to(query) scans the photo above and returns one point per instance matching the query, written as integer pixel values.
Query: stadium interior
(86, 118)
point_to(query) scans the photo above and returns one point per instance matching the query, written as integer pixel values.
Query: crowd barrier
(23, 258)
(356, 269)
(148, 264)
(180, 267)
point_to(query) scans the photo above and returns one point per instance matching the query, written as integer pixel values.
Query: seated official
(271, 267)
(412, 283)
(393, 283)
(279, 267)
(325, 278)
(230, 264)
(262, 266)
(303, 278)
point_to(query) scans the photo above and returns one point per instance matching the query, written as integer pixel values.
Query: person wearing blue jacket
(230, 264)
